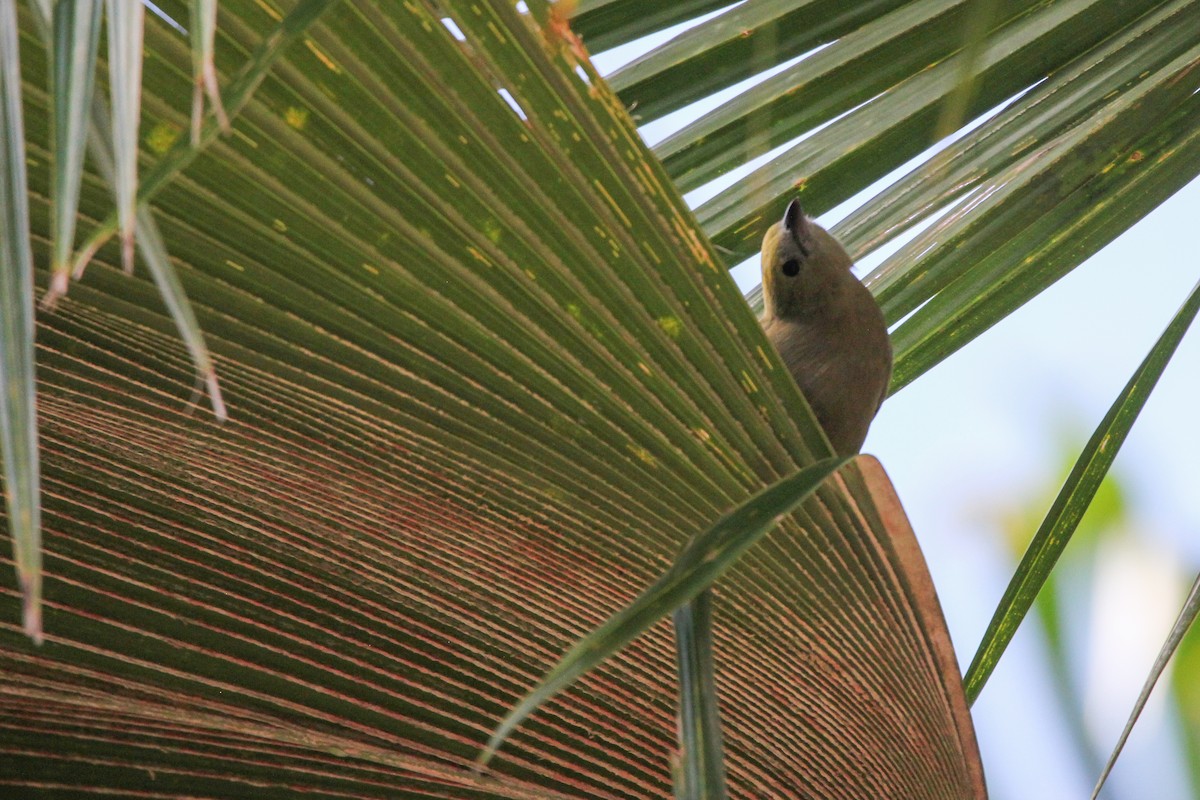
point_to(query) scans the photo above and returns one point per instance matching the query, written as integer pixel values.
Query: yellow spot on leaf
(234, 265)
(748, 383)
(296, 117)
(671, 326)
(279, 225)
(162, 137)
(370, 268)
(492, 230)
(643, 455)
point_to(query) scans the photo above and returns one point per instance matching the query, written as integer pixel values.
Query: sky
(990, 430)
(989, 423)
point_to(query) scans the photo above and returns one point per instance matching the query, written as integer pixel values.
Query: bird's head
(800, 262)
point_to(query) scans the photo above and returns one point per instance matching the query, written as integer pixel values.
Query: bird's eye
(791, 268)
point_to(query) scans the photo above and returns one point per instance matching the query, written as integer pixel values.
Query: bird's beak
(793, 218)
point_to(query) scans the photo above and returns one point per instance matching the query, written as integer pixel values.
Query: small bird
(826, 326)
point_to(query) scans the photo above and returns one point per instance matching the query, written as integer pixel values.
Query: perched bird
(826, 326)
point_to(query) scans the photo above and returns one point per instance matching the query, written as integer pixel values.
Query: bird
(826, 326)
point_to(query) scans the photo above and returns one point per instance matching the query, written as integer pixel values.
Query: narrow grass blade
(73, 68)
(702, 561)
(1187, 616)
(125, 31)
(166, 278)
(1073, 499)
(18, 407)
(1185, 696)
(701, 772)
(203, 32)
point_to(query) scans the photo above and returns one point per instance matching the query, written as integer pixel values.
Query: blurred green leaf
(1074, 497)
(1056, 606)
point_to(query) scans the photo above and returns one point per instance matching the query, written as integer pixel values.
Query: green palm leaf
(465, 384)
(485, 377)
